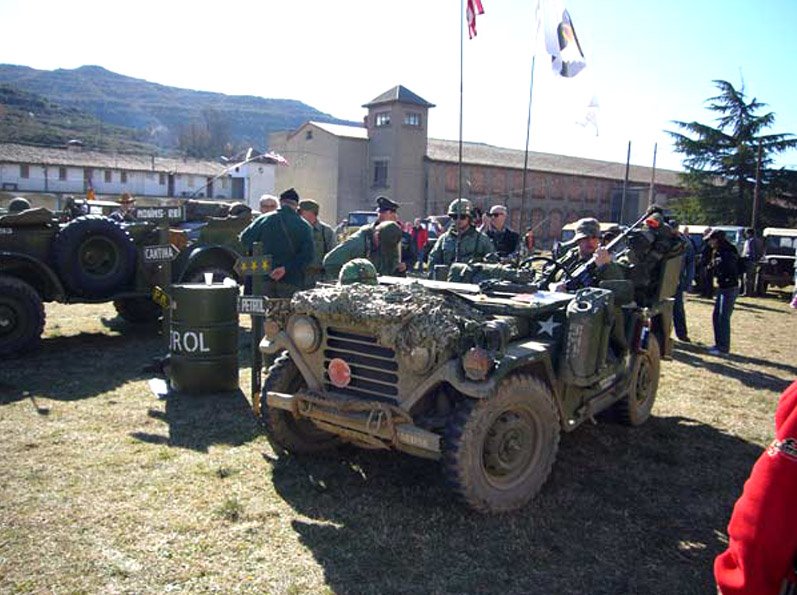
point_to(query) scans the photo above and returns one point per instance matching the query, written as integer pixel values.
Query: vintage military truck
(74, 257)
(776, 266)
(483, 377)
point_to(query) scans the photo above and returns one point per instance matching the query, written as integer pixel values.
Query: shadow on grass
(626, 510)
(732, 365)
(197, 422)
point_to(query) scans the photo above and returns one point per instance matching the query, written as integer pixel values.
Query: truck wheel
(296, 435)
(634, 409)
(21, 316)
(498, 452)
(94, 256)
(138, 310)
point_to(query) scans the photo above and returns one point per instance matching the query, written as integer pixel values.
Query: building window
(412, 119)
(107, 176)
(452, 179)
(190, 181)
(62, 173)
(477, 181)
(123, 177)
(380, 174)
(308, 135)
(24, 171)
(162, 179)
(382, 119)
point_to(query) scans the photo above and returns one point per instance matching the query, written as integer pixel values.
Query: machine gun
(582, 275)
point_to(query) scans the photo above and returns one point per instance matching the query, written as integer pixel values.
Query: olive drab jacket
(324, 240)
(571, 259)
(385, 256)
(288, 239)
(472, 245)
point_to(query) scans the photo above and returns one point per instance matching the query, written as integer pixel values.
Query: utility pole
(625, 184)
(653, 176)
(756, 190)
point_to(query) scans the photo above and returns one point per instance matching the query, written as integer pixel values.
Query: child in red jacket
(762, 548)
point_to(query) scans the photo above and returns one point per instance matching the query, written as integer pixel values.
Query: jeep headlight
(773, 262)
(477, 363)
(420, 359)
(305, 332)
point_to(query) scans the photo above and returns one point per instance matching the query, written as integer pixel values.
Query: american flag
(474, 8)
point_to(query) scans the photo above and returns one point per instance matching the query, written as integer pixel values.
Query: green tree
(721, 161)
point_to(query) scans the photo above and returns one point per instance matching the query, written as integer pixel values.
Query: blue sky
(649, 63)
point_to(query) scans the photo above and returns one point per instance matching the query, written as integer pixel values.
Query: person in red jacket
(762, 533)
(420, 236)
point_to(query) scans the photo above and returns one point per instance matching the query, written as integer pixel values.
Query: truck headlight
(420, 359)
(477, 363)
(305, 332)
(772, 262)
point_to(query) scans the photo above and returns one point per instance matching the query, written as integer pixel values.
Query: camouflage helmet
(18, 204)
(460, 206)
(359, 270)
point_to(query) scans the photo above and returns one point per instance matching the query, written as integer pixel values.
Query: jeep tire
(498, 452)
(138, 310)
(634, 409)
(94, 256)
(296, 435)
(21, 316)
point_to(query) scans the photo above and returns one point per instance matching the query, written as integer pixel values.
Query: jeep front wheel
(21, 316)
(634, 409)
(296, 435)
(498, 452)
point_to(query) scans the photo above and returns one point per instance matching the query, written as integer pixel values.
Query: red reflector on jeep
(339, 372)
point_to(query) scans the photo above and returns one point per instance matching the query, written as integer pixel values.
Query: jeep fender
(35, 273)
(207, 257)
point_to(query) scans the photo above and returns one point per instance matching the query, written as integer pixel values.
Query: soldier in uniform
(288, 239)
(324, 240)
(462, 242)
(379, 242)
(588, 243)
(126, 211)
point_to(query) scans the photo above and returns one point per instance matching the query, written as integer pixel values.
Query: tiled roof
(481, 154)
(15, 153)
(402, 95)
(343, 130)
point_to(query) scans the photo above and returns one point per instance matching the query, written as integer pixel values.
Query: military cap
(358, 270)
(309, 205)
(383, 203)
(588, 227)
(290, 195)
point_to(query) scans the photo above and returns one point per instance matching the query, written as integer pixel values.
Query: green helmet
(18, 204)
(460, 206)
(359, 270)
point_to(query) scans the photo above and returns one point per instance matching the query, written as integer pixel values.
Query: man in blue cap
(288, 239)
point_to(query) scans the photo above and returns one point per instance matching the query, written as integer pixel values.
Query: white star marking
(547, 326)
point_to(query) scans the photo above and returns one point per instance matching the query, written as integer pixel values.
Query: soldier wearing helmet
(462, 242)
(359, 270)
(585, 244)
(18, 204)
(380, 243)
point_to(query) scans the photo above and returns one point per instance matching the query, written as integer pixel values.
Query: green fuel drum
(203, 338)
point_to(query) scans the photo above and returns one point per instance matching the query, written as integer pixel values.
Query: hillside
(155, 114)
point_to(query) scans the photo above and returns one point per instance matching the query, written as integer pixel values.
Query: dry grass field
(107, 489)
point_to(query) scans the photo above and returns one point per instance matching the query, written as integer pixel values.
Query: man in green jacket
(288, 239)
(462, 242)
(585, 244)
(324, 241)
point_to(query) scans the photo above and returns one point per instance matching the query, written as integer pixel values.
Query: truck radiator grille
(374, 369)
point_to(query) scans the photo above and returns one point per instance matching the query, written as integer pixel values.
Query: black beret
(383, 203)
(290, 194)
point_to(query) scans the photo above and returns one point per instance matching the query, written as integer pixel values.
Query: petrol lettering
(189, 342)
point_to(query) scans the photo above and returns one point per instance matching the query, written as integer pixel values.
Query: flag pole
(461, 94)
(526, 153)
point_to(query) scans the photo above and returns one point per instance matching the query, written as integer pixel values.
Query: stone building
(345, 167)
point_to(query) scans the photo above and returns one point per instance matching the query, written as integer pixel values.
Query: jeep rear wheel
(634, 409)
(296, 435)
(21, 316)
(138, 310)
(498, 452)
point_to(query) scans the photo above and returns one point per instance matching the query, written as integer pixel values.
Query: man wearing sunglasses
(462, 242)
(506, 241)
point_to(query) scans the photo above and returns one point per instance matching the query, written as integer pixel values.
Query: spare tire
(94, 256)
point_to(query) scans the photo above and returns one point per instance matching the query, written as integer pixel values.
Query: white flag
(561, 42)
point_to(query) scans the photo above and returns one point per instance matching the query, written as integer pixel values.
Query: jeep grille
(374, 370)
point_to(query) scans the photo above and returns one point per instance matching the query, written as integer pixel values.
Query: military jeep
(776, 266)
(482, 377)
(81, 256)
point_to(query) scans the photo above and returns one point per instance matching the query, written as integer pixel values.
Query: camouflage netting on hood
(404, 316)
